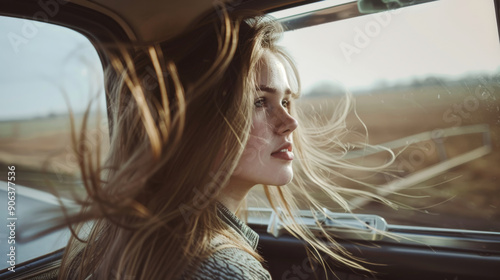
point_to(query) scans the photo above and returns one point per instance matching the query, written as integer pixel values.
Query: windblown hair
(176, 106)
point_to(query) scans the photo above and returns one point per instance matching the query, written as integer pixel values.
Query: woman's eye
(285, 103)
(259, 103)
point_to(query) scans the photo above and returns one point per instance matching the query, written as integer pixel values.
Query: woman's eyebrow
(271, 89)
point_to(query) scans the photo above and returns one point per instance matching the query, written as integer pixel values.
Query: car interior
(426, 78)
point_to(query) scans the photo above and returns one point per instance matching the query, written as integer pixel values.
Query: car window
(426, 80)
(45, 71)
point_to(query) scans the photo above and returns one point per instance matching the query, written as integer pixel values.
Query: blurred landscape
(42, 150)
(466, 196)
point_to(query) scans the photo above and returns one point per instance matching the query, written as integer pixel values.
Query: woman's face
(267, 158)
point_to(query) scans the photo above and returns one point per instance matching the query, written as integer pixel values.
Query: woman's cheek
(255, 148)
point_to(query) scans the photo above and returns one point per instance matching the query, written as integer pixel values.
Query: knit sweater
(231, 263)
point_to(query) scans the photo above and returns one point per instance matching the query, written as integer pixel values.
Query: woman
(187, 144)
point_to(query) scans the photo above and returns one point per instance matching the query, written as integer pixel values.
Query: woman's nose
(286, 124)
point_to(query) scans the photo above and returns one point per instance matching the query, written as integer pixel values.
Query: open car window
(46, 71)
(426, 80)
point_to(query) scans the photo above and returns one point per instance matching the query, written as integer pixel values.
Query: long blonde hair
(175, 106)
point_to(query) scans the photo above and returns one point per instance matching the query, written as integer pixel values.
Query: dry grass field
(42, 150)
(465, 196)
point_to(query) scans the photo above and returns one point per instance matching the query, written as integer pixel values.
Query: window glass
(45, 71)
(426, 80)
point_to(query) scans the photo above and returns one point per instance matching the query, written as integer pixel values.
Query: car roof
(149, 20)
(153, 20)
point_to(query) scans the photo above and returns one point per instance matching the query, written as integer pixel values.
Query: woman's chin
(283, 179)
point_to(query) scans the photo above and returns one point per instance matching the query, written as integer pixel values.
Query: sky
(40, 64)
(447, 38)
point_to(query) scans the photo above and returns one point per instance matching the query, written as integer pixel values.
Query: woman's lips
(284, 154)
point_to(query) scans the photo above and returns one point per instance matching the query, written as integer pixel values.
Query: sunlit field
(466, 194)
(438, 180)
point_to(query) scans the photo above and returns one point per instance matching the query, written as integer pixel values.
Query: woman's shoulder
(230, 261)
(230, 264)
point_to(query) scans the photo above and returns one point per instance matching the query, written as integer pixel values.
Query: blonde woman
(187, 145)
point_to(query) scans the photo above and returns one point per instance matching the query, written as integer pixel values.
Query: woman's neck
(233, 194)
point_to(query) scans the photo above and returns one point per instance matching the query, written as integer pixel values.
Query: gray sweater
(231, 263)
